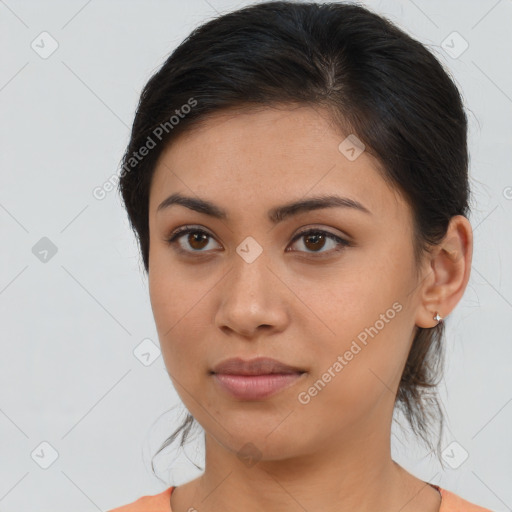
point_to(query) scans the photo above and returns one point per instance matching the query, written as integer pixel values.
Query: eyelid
(319, 227)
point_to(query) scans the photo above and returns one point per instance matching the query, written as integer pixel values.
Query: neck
(357, 475)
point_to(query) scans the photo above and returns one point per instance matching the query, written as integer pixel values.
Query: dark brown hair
(373, 79)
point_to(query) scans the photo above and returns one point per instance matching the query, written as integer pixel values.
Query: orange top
(450, 502)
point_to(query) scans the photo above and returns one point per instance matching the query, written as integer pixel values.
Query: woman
(297, 178)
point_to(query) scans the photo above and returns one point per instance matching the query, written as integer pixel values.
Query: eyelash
(342, 243)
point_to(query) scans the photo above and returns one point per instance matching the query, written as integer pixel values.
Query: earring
(437, 317)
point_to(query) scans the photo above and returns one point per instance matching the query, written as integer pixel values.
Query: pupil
(316, 239)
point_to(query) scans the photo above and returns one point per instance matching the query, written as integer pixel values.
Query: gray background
(71, 373)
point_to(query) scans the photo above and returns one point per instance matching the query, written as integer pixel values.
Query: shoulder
(451, 502)
(155, 503)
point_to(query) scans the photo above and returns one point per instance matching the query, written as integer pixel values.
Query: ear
(446, 273)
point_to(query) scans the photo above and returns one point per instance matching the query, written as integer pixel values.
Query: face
(337, 303)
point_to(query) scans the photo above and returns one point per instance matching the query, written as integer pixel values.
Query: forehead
(256, 158)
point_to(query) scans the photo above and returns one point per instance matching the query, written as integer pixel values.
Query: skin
(334, 452)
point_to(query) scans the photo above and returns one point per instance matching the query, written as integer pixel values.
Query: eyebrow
(275, 215)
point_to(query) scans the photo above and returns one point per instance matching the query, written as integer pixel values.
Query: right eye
(196, 239)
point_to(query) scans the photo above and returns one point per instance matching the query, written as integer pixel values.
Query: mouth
(255, 379)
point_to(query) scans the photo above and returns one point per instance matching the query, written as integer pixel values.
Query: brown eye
(315, 240)
(196, 240)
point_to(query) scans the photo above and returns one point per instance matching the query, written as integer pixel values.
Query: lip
(255, 379)
(257, 366)
(255, 387)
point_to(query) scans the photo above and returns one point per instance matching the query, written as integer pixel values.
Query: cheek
(179, 315)
(364, 358)
(170, 293)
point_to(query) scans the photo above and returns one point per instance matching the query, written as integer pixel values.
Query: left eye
(317, 237)
(314, 239)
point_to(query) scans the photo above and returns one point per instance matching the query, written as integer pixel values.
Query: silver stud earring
(437, 317)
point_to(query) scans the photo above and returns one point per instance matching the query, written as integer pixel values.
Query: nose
(251, 299)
